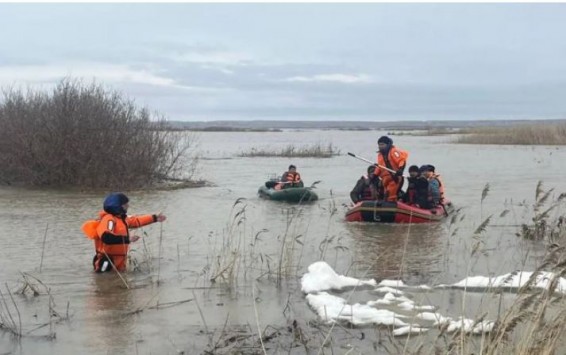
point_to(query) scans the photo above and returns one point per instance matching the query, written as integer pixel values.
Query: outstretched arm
(144, 220)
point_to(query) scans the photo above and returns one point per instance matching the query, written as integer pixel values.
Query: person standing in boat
(395, 159)
(291, 178)
(368, 187)
(111, 233)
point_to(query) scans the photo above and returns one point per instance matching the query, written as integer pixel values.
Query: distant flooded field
(227, 266)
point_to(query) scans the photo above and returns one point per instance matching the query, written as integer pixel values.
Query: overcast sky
(300, 61)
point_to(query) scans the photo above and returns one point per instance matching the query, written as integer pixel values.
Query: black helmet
(385, 139)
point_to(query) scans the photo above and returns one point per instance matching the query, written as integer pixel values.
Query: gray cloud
(308, 61)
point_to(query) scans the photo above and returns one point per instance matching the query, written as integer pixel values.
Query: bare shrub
(84, 136)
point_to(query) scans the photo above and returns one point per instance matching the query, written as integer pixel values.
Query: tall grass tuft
(317, 150)
(543, 226)
(227, 258)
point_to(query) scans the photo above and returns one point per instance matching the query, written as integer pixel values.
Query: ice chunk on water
(321, 277)
(387, 289)
(392, 283)
(409, 329)
(512, 280)
(331, 308)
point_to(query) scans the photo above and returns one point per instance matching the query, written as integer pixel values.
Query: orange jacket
(396, 158)
(113, 235)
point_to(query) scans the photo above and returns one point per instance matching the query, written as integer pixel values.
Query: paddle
(369, 161)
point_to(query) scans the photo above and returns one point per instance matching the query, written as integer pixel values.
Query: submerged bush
(84, 136)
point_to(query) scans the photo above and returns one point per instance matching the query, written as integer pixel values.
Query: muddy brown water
(151, 317)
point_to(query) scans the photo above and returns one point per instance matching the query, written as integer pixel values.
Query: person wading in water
(111, 233)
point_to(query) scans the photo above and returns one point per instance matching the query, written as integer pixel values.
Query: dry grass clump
(531, 134)
(317, 150)
(426, 133)
(536, 316)
(11, 318)
(84, 136)
(543, 226)
(238, 253)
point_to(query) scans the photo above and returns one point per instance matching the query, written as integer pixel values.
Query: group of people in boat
(384, 181)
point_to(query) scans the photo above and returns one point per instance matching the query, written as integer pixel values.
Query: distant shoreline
(277, 126)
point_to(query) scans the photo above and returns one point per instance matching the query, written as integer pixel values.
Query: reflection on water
(408, 252)
(429, 253)
(107, 306)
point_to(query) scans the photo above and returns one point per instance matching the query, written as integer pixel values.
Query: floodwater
(170, 306)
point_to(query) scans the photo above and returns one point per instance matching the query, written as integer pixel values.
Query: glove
(399, 172)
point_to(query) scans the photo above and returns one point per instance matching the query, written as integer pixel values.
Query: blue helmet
(113, 203)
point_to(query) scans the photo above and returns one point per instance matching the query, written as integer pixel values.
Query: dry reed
(317, 150)
(531, 134)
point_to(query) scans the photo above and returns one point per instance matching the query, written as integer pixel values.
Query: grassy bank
(531, 134)
(224, 129)
(425, 133)
(317, 150)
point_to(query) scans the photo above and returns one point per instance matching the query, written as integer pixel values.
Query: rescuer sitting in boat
(291, 178)
(432, 175)
(417, 193)
(409, 196)
(368, 187)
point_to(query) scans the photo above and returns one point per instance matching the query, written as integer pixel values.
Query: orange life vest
(293, 177)
(396, 158)
(111, 235)
(440, 186)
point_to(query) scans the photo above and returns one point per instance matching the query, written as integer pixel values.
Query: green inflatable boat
(289, 194)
